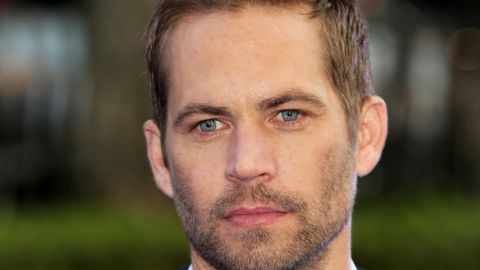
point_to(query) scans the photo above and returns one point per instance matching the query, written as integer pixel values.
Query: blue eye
(209, 125)
(290, 115)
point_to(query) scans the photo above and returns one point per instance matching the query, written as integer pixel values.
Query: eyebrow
(289, 96)
(269, 103)
(200, 108)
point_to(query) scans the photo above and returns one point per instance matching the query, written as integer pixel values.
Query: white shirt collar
(352, 266)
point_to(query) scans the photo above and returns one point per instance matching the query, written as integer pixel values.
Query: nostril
(246, 174)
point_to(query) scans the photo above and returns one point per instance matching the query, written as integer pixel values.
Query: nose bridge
(251, 155)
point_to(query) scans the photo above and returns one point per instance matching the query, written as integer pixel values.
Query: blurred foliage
(91, 237)
(427, 233)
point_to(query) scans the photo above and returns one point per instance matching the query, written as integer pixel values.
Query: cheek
(314, 166)
(301, 155)
(200, 172)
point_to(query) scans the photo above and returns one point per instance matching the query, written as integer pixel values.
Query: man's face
(262, 169)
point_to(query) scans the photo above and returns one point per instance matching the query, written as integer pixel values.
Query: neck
(337, 256)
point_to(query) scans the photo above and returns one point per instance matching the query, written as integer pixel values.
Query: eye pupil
(290, 115)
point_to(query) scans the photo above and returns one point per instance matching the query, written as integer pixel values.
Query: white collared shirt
(352, 266)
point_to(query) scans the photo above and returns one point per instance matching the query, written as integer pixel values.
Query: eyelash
(281, 123)
(289, 124)
(196, 128)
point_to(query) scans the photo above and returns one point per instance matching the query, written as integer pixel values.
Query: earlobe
(372, 133)
(160, 171)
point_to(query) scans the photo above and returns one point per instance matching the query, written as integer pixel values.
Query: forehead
(222, 57)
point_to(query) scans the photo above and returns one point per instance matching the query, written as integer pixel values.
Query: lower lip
(254, 220)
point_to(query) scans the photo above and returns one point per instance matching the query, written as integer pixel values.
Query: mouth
(243, 217)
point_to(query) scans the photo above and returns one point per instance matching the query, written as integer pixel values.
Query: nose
(251, 157)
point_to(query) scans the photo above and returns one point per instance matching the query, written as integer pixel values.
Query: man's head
(265, 112)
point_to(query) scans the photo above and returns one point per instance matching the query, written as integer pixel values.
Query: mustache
(259, 193)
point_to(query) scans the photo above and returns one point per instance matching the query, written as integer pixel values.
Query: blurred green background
(75, 186)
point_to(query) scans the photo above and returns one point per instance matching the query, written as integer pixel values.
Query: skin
(248, 72)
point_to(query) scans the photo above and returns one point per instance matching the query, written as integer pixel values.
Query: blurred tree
(114, 144)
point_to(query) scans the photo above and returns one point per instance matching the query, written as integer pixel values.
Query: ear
(160, 172)
(372, 133)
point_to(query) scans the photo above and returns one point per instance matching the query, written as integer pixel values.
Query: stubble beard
(267, 248)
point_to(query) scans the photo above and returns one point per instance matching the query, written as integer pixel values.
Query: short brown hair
(343, 28)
